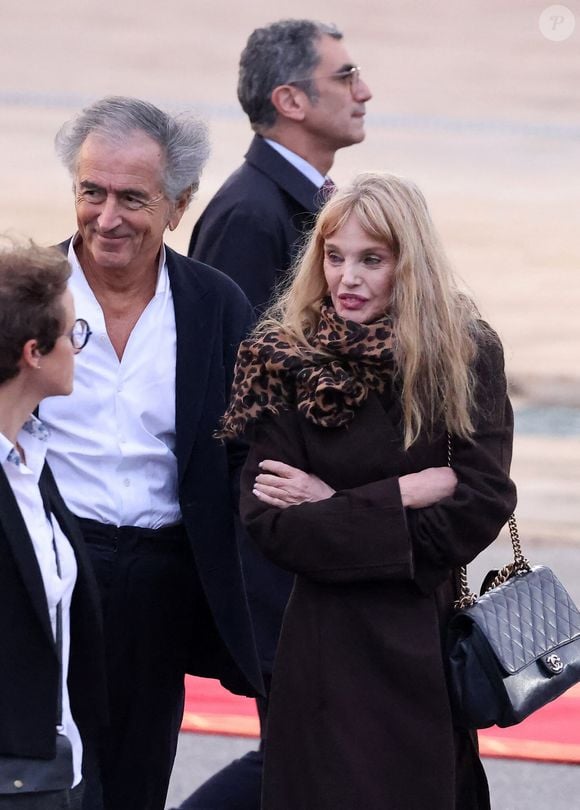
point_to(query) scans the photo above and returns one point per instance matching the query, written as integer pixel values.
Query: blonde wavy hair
(437, 328)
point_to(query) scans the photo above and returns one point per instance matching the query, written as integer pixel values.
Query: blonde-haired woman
(349, 391)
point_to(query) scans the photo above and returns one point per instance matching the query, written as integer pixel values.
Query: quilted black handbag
(514, 648)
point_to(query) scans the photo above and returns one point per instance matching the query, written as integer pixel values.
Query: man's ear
(178, 209)
(289, 101)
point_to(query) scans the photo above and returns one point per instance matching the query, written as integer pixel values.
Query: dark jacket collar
(195, 331)
(262, 157)
(18, 539)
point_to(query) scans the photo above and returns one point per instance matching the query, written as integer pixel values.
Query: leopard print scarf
(325, 382)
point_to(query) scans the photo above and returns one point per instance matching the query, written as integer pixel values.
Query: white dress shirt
(299, 163)
(112, 447)
(23, 476)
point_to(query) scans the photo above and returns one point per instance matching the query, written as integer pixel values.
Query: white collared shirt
(112, 448)
(299, 163)
(23, 476)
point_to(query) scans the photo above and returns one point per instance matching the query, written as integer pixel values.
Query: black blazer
(212, 315)
(29, 677)
(251, 230)
(253, 225)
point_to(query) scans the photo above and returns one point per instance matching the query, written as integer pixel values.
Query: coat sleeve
(244, 243)
(359, 534)
(454, 531)
(364, 533)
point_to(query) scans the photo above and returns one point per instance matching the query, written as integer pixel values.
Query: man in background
(305, 99)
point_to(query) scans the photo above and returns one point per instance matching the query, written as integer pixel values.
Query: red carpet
(210, 709)
(551, 734)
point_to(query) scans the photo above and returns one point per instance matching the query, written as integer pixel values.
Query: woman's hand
(427, 487)
(281, 485)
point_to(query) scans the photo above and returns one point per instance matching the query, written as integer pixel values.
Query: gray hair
(278, 54)
(183, 138)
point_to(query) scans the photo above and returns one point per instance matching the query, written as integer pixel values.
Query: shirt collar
(298, 162)
(32, 437)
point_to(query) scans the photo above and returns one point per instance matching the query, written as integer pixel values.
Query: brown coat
(359, 713)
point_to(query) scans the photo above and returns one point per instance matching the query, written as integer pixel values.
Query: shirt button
(18, 783)
(127, 482)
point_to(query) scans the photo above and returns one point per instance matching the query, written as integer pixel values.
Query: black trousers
(149, 589)
(238, 786)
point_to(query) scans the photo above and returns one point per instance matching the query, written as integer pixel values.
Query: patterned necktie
(327, 187)
(325, 191)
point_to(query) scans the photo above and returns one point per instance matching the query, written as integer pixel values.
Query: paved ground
(514, 785)
(470, 99)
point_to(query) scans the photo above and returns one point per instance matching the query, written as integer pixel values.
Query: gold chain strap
(520, 564)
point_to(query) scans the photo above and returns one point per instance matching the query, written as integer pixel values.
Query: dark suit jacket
(211, 317)
(29, 676)
(252, 226)
(251, 230)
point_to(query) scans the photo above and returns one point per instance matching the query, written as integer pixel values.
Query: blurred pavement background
(471, 99)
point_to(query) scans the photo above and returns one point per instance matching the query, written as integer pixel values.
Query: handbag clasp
(553, 663)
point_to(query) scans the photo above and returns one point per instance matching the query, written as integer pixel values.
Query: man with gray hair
(305, 99)
(133, 448)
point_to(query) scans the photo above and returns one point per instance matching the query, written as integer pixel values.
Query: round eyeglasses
(79, 335)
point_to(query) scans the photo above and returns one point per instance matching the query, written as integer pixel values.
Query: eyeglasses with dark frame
(351, 76)
(79, 335)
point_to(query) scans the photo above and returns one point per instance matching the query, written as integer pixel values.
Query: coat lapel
(20, 544)
(194, 318)
(284, 174)
(66, 521)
